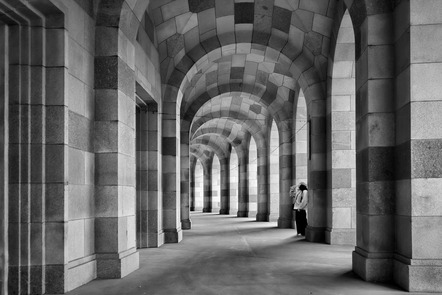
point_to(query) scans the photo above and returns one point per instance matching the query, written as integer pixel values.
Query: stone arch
(341, 161)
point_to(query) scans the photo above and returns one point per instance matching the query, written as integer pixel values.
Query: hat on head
(302, 183)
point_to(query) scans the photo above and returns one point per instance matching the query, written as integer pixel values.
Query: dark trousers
(301, 221)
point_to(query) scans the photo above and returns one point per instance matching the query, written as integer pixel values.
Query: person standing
(300, 201)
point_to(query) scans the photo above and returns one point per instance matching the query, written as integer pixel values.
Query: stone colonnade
(74, 179)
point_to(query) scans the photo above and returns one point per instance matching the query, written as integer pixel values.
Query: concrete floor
(229, 255)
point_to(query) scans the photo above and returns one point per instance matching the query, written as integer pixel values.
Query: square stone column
(149, 204)
(155, 197)
(143, 178)
(225, 186)
(207, 183)
(285, 177)
(263, 210)
(375, 140)
(4, 146)
(171, 171)
(418, 214)
(115, 229)
(185, 182)
(193, 161)
(317, 173)
(243, 183)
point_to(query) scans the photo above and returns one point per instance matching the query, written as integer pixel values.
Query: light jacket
(301, 200)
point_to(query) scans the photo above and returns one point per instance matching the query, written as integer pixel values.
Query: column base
(55, 279)
(418, 275)
(273, 217)
(284, 223)
(340, 236)
(207, 210)
(186, 224)
(119, 265)
(224, 211)
(22, 278)
(377, 268)
(262, 217)
(155, 240)
(315, 234)
(81, 271)
(242, 214)
(174, 235)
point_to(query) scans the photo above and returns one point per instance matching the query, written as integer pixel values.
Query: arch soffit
(202, 141)
(250, 125)
(302, 71)
(278, 104)
(219, 145)
(222, 126)
(237, 68)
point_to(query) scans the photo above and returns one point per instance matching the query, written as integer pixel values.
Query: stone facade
(120, 117)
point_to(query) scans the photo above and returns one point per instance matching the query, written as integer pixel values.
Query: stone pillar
(42, 121)
(215, 185)
(4, 146)
(171, 184)
(19, 193)
(263, 194)
(155, 233)
(149, 219)
(225, 186)
(207, 183)
(142, 178)
(375, 128)
(317, 173)
(193, 161)
(37, 161)
(253, 178)
(115, 177)
(234, 183)
(285, 179)
(185, 184)
(418, 217)
(243, 183)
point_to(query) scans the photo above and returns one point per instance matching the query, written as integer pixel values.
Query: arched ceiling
(234, 66)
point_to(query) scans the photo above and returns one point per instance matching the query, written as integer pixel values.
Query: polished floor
(228, 255)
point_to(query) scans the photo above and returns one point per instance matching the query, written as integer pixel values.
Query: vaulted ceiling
(236, 66)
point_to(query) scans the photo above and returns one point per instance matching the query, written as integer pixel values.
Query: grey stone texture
(120, 117)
